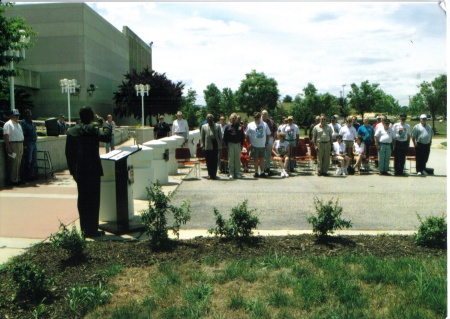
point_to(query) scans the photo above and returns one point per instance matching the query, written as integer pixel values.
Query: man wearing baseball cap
(421, 136)
(13, 136)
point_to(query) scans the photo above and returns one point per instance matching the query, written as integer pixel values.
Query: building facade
(75, 42)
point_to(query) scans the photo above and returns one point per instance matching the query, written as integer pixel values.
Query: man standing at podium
(83, 159)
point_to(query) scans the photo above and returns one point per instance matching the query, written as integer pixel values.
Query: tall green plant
(71, 241)
(432, 232)
(240, 224)
(328, 218)
(155, 217)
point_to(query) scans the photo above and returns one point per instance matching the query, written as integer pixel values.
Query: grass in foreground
(278, 286)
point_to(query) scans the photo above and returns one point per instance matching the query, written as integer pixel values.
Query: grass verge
(279, 286)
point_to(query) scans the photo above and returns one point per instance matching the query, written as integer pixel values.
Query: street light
(68, 86)
(142, 89)
(343, 93)
(14, 52)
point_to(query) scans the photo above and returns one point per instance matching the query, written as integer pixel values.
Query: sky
(396, 44)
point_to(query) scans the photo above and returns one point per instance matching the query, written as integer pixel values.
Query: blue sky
(395, 44)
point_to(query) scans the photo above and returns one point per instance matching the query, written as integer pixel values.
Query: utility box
(116, 193)
(52, 127)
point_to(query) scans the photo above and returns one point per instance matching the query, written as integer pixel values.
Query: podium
(116, 193)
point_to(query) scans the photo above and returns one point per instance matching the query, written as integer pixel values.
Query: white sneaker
(424, 172)
(338, 171)
(282, 174)
(230, 177)
(286, 174)
(240, 176)
(419, 173)
(345, 171)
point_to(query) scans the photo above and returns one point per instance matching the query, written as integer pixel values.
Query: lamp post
(343, 94)
(142, 89)
(14, 52)
(68, 86)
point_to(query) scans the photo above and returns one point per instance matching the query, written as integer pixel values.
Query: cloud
(328, 44)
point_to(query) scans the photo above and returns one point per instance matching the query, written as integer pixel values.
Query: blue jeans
(30, 160)
(384, 156)
(111, 144)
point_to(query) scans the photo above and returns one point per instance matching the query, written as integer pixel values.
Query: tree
(13, 33)
(257, 92)
(432, 97)
(364, 97)
(387, 104)
(191, 112)
(164, 96)
(213, 98)
(416, 105)
(287, 99)
(228, 102)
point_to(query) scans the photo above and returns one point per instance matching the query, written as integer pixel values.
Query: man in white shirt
(257, 135)
(180, 127)
(273, 136)
(13, 136)
(348, 134)
(292, 137)
(335, 126)
(401, 144)
(421, 136)
(383, 141)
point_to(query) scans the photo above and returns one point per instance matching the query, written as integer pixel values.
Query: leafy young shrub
(432, 232)
(240, 224)
(155, 219)
(328, 218)
(87, 298)
(30, 281)
(71, 241)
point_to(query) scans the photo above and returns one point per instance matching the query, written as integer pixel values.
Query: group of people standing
(351, 142)
(348, 144)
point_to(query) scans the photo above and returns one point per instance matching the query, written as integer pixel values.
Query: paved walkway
(29, 214)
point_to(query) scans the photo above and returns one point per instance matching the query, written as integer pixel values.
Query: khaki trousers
(323, 157)
(14, 163)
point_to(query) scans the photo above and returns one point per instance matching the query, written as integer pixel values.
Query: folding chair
(183, 156)
(373, 154)
(411, 156)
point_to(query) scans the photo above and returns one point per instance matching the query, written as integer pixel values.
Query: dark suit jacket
(206, 141)
(82, 148)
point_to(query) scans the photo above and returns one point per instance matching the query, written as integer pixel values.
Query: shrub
(30, 281)
(86, 298)
(71, 241)
(328, 218)
(155, 219)
(239, 225)
(432, 232)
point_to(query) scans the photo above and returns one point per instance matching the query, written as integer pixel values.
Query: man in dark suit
(211, 142)
(61, 125)
(83, 159)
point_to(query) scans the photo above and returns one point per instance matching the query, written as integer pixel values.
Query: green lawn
(279, 286)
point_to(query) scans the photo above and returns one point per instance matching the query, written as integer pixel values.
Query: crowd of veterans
(349, 145)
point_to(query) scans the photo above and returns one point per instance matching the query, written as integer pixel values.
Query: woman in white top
(280, 152)
(340, 156)
(359, 153)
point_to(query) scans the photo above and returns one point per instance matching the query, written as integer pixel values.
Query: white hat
(423, 116)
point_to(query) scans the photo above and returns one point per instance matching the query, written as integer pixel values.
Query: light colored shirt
(322, 134)
(338, 148)
(384, 136)
(14, 131)
(348, 133)
(422, 134)
(359, 149)
(180, 126)
(257, 133)
(291, 131)
(401, 131)
(336, 127)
